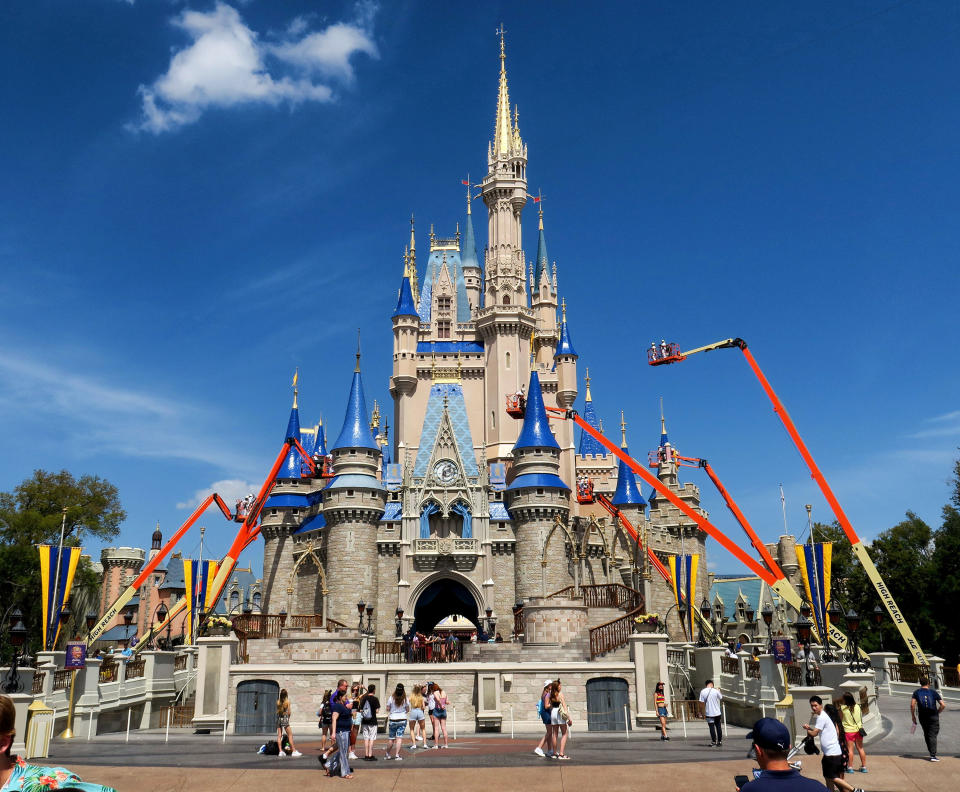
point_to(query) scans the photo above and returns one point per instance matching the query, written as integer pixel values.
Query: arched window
(506, 299)
(234, 600)
(506, 360)
(256, 599)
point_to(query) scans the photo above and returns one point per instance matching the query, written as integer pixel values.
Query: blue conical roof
(628, 493)
(542, 260)
(291, 465)
(405, 306)
(356, 429)
(565, 346)
(588, 443)
(320, 448)
(468, 256)
(536, 427)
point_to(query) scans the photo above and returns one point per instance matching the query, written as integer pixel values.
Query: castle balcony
(450, 550)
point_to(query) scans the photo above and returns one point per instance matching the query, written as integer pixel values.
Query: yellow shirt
(852, 719)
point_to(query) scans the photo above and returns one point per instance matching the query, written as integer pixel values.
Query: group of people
(433, 648)
(659, 352)
(348, 714)
(555, 716)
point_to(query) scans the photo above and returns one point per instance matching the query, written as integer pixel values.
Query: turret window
(443, 305)
(443, 329)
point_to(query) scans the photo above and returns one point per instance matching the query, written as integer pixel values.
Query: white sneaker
(281, 755)
(296, 753)
(398, 758)
(539, 751)
(350, 755)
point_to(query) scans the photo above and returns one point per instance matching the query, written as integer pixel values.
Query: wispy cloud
(946, 425)
(104, 417)
(231, 490)
(227, 64)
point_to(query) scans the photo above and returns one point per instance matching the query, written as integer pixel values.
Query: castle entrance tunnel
(441, 599)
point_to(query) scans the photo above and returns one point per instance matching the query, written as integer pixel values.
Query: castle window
(443, 305)
(234, 600)
(256, 599)
(506, 360)
(506, 299)
(493, 419)
(349, 493)
(539, 491)
(443, 329)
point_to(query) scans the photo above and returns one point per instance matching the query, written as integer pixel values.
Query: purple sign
(76, 655)
(782, 650)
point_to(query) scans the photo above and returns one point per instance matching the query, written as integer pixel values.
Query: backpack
(540, 709)
(271, 748)
(927, 700)
(367, 711)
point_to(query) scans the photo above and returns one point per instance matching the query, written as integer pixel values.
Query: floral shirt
(33, 778)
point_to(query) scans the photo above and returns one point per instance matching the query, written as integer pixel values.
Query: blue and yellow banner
(197, 576)
(683, 575)
(815, 561)
(56, 579)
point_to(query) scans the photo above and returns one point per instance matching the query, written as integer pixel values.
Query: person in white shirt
(711, 698)
(832, 761)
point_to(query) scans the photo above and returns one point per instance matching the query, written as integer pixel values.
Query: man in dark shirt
(771, 740)
(927, 705)
(369, 704)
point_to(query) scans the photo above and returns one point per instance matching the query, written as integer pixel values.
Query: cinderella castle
(466, 510)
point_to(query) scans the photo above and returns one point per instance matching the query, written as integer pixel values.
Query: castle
(466, 510)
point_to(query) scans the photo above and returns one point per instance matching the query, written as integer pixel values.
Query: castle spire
(543, 263)
(627, 492)
(663, 426)
(565, 345)
(536, 431)
(588, 397)
(412, 264)
(623, 431)
(503, 129)
(296, 376)
(291, 466)
(356, 431)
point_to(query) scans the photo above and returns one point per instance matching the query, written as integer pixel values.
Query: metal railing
(753, 668)
(603, 595)
(795, 675)
(613, 634)
(135, 669)
(518, 622)
(730, 665)
(406, 652)
(61, 678)
(38, 679)
(687, 709)
(109, 672)
(908, 672)
(951, 677)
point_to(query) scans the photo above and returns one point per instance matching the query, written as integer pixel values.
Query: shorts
(415, 714)
(545, 717)
(439, 714)
(368, 732)
(852, 736)
(396, 728)
(283, 721)
(662, 712)
(555, 718)
(833, 766)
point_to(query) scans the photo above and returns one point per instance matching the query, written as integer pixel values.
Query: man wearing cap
(771, 739)
(545, 746)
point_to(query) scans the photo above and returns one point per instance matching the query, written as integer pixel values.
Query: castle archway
(441, 595)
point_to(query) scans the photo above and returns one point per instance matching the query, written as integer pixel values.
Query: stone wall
(554, 622)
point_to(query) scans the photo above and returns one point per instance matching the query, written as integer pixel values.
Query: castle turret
(565, 361)
(472, 273)
(538, 499)
(627, 496)
(406, 323)
(352, 506)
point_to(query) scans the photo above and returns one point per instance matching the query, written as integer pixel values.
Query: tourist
(731, 652)
(283, 725)
(369, 705)
(332, 748)
(853, 731)
(356, 690)
(711, 698)
(433, 720)
(397, 709)
(545, 746)
(832, 762)
(326, 721)
(440, 713)
(416, 717)
(559, 720)
(660, 702)
(771, 741)
(926, 705)
(340, 706)
(16, 774)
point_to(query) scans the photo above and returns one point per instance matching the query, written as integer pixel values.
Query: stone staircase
(598, 616)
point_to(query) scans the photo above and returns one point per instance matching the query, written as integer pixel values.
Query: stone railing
(448, 545)
(180, 663)
(730, 665)
(38, 680)
(61, 678)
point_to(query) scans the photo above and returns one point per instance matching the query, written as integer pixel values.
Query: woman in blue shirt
(340, 708)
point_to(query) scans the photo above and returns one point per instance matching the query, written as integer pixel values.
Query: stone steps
(598, 616)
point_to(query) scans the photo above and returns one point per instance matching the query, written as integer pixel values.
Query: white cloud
(231, 490)
(946, 425)
(226, 64)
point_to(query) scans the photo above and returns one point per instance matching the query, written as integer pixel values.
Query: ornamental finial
(358, 351)
(623, 431)
(296, 378)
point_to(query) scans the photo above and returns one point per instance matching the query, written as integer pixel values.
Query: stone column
(708, 665)
(87, 704)
(213, 682)
(880, 662)
(21, 703)
(648, 651)
(801, 705)
(852, 683)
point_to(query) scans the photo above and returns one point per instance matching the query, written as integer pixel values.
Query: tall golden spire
(503, 131)
(296, 378)
(588, 397)
(375, 418)
(623, 431)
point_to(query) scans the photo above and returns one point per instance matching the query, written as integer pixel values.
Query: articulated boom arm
(859, 550)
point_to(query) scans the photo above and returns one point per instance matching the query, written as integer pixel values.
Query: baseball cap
(548, 683)
(771, 734)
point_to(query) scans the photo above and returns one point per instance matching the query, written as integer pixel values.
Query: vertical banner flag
(814, 560)
(57, 568)
(685, 566)
(197, 575)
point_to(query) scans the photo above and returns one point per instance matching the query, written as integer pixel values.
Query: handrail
(730, 665)
(602, 595)
(109, 671)
(61, 678)
(908, 672)
(180, 663)
(135, 669)
(753, 668)
(612, 634)
(38, 679)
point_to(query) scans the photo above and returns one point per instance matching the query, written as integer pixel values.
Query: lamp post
(517, 607)
(767, 614)
(705, 617)
(360, 606)
(490, 623)
(17, 637)
(369, 610)
(856, 664)
(803, 626)
(835, 612)
(878, 621)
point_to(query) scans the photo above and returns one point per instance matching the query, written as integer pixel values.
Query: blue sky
(200, 197)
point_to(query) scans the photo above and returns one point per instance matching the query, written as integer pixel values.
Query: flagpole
(196, 588)
(54, 609)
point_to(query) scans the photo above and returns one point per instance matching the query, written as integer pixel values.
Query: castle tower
(565, 361)
(629, 500)
(472, 273)
(352, 506)
(505, 323)
(156, 542)
(537, 499)
(120, 566)
(403, 382)
(543, 300)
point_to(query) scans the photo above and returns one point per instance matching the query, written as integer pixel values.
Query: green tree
(32, 514)
(946, 577)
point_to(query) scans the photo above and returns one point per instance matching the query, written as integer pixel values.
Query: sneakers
(713, 744)
(934, 758)
(350, 755)
(297, 753)
(539, 751)
(863, 769)
(281, 755)
(398, 758)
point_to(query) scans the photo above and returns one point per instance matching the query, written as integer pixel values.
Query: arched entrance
(441, 598)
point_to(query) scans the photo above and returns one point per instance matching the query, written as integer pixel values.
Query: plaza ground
(896, 758)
